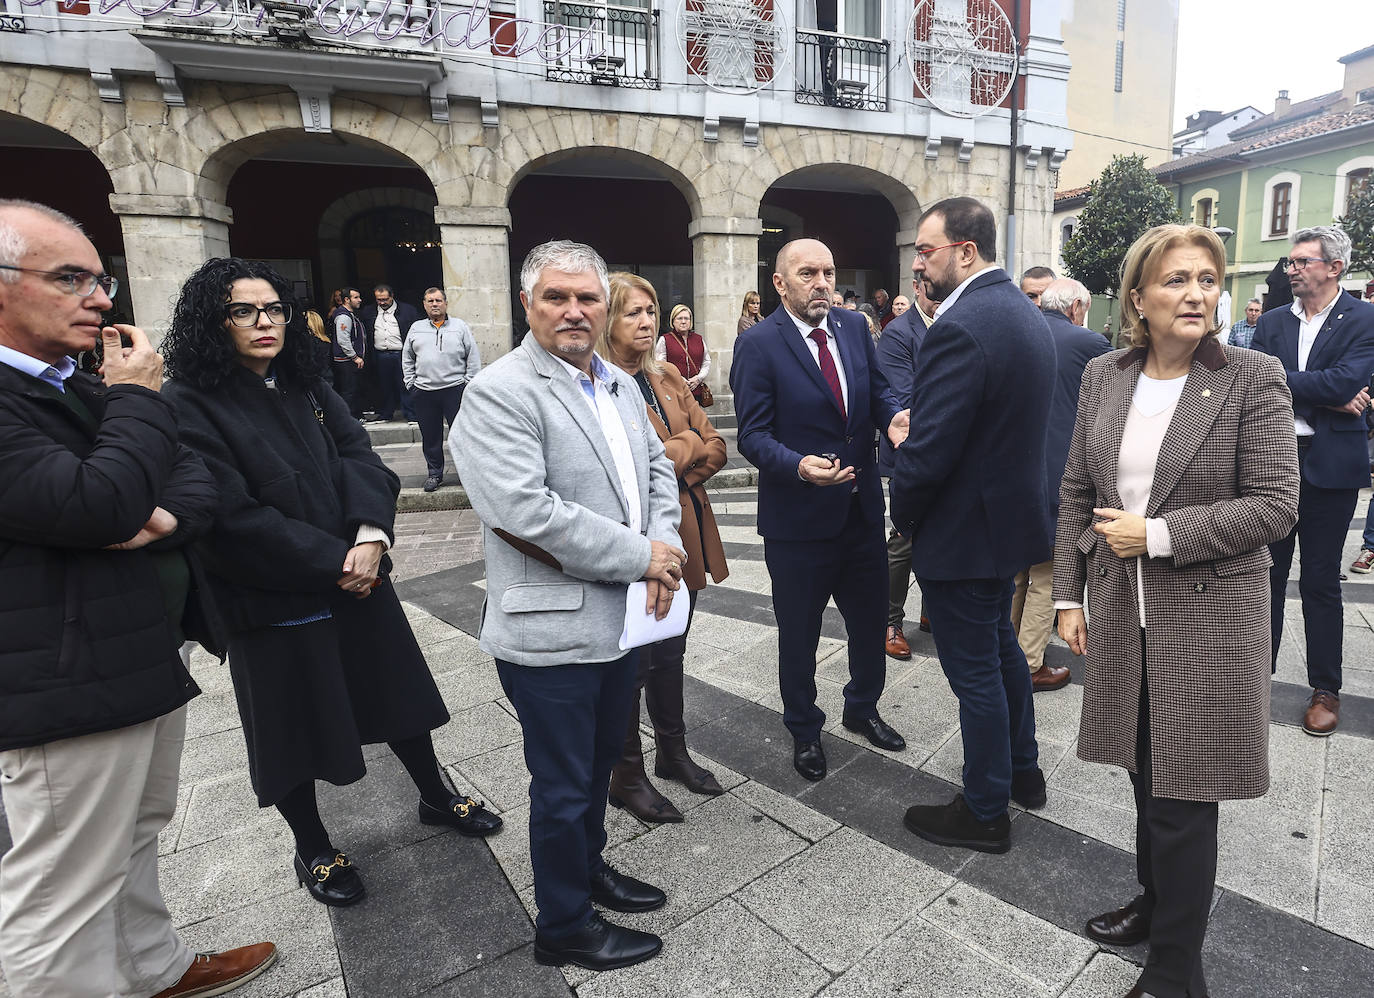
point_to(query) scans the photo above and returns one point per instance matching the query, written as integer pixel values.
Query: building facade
(358, 141)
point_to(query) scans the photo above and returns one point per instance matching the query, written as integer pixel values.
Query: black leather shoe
(598, 945)
(620, 892)
(1028, 788)
(469, 816)
(1126, 926)
(876, 730)
(331, 879)
(953, 824)
(809, 760)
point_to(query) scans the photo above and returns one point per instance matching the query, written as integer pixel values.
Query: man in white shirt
(1326, 343)
(388, 322)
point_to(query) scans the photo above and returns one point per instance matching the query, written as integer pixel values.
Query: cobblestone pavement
(780, 888)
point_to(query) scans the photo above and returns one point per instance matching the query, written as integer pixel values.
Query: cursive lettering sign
(457, 29)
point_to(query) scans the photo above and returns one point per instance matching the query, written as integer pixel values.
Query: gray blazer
(539, 473)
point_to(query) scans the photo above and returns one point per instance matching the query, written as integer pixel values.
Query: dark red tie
(828, 372)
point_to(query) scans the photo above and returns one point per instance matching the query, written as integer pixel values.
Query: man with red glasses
(1326, 343)
(968, 488)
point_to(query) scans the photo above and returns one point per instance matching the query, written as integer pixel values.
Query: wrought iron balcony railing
(623, 51)
(836, 70)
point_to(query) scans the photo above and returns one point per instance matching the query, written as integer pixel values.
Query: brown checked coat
(1226, 483)
(697, 452)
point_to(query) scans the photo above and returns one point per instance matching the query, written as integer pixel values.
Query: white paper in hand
(643, 628)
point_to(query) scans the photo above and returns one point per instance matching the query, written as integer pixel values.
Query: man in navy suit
(896, 352)
(388, 321)
(968, 488)
(1064, 303)
(810, 397)
(1326, 343)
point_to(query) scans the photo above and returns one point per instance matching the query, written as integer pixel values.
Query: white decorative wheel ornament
(733, 46)
(962, 55)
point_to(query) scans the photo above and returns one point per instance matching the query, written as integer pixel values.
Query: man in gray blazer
(577, 501)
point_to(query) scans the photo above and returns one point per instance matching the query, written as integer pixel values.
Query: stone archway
(332, 252)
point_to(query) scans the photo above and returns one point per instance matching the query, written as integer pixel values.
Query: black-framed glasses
(74, 282)
(242, 313)
(1303, 262)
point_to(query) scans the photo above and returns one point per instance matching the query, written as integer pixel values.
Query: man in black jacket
(96, 505)
(388, 322)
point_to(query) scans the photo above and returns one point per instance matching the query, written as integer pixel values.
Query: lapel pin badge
(1206, 393)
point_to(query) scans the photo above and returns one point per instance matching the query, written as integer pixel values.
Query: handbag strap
(683, 341)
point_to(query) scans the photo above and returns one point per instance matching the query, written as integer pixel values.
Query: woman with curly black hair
(322, 656)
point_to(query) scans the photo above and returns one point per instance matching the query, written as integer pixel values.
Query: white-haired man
(1065, 304)
(1242, 334)
(577, 500)
(1325, 340)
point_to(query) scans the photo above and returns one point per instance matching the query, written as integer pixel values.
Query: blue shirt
(1242, 334)
(52, 374)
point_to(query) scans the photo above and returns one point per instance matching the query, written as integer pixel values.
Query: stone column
(166, 237)
(725, 260)
(477, 279)
(906, 255)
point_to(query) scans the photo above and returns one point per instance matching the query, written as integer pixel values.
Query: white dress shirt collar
(948, 303)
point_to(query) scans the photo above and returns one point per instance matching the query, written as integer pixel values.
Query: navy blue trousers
(970, 620)
(852, 568)
(391, 388)
(573, 718)
(1324, 517)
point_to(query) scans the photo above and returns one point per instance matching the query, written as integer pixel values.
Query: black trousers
(1324, 517)
(1176, 864)
(432, 410)
(851, 567)
(391, 389)
(346, 376)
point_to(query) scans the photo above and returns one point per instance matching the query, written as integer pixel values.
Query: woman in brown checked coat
(1183, 467)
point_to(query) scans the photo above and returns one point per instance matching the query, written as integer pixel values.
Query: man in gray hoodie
(438, 360)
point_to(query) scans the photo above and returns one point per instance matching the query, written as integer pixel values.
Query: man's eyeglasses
(924, 254)
(241, 313)
(1303, 262)
(74, 282)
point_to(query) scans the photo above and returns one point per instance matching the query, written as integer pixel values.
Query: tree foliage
(1122, 203)
(1358, 223)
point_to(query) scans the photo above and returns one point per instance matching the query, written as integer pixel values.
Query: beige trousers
(81, 914)
(1032, 611)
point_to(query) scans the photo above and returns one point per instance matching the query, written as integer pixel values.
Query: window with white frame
(1349, 176)
(1280, 205)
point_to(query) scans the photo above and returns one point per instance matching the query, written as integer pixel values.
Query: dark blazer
(968, 485)
(87, 638)
(1226, 483)
(786, 411)
(896, 352)
(406, 316)
(1074, 346)
(1339, 365)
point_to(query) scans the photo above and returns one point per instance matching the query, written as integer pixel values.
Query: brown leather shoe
(1049, 677)
(897, 646)
(219, 973)
(1323, 714)
(924, 625)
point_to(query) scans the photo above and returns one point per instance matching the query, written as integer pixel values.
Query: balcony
(835, 70)
(623, 46)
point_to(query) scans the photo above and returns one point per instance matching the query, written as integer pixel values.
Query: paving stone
(226, 875)
(1105, 976)
(377, 813)
(499, 776)
(431, 908)
(511, 846)
(166, 839)
(456, 652)
(220, 807)
(210, 713)
(842, 896)
(1112, 825)
(468, 685)
(703, 703)
(786, 811)
(1050, 956)
(332, 988)
(919, 705)
(296, 922)
(948, 761)
(1270, 854)
(1092, 781)
(723, 951)
(920, 959)
(724, 846)
(510, 975)
(474, 731)
(1256, 951)
(683, 799)
(751, 672)
(1344, 906)
(215, 755)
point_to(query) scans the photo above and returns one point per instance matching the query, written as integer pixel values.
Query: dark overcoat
(1226, 483)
